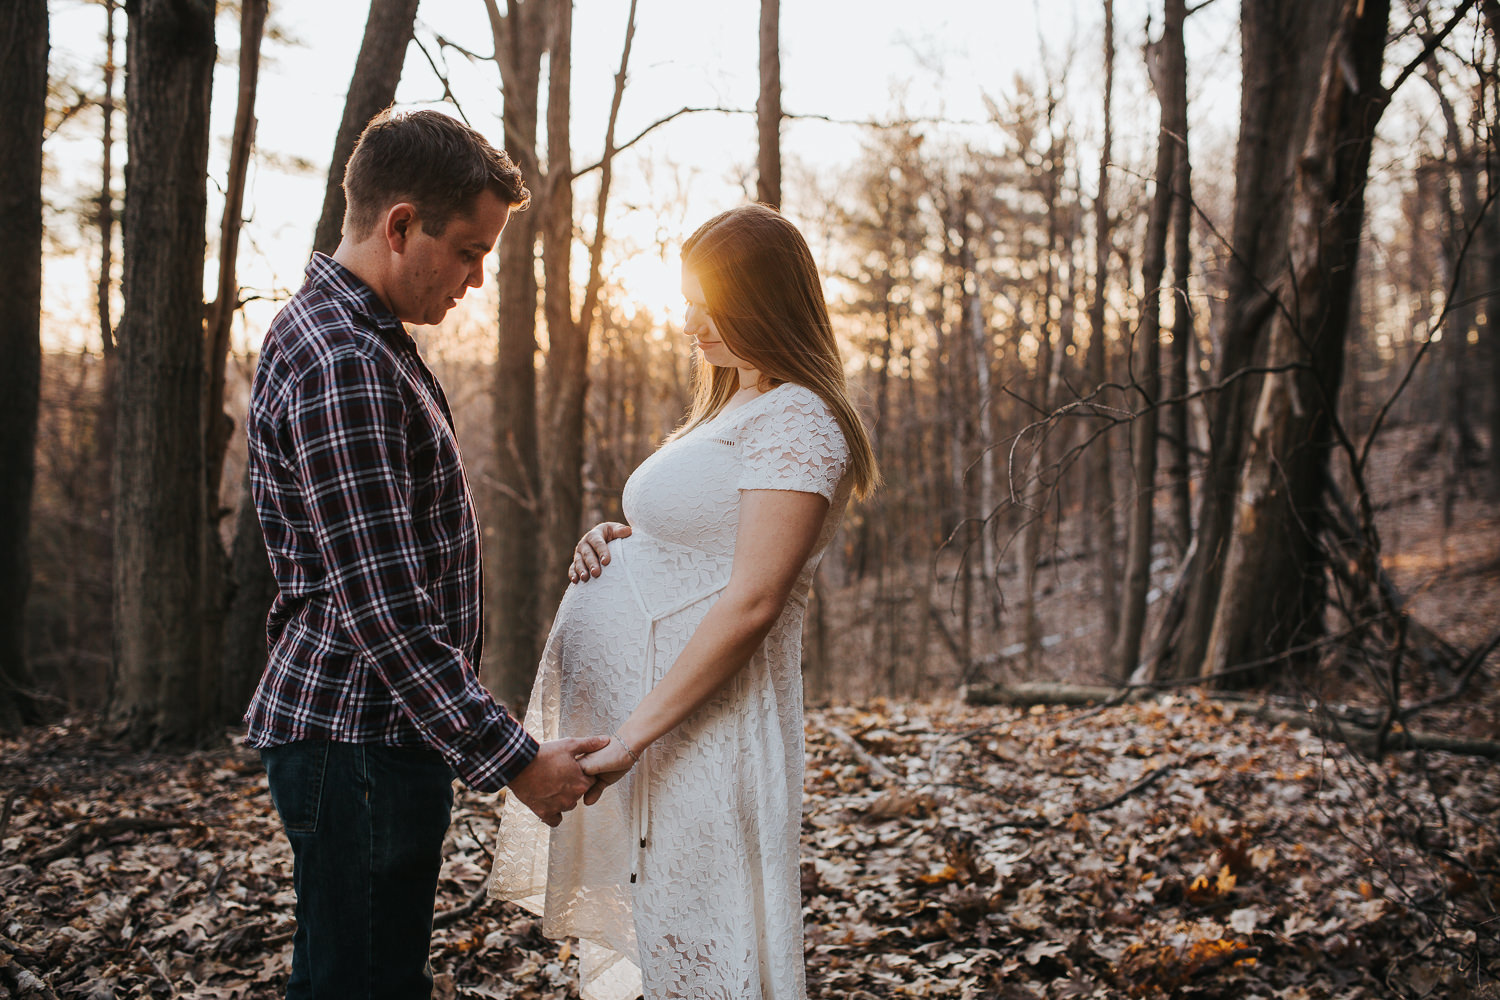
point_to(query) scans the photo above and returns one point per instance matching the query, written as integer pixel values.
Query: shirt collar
(342, 283)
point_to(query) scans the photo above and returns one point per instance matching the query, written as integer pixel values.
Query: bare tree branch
(1431, 46)
(894, 123)
(442, 75)
(1427, 342)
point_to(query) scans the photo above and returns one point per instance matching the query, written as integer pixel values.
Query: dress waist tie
(641, 793)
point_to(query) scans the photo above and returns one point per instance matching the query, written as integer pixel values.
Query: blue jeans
(366, 825)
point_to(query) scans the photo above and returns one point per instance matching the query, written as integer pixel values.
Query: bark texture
(162, 690)
(226, 299)
(1099, 485)
(1491, 12)
(1279, 508)
(1282, 46)
(514, 641)
(23, 94)
(1168, 71)
(567, 340)
(768, 106)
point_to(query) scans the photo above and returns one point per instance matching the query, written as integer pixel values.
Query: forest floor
(1176, 847)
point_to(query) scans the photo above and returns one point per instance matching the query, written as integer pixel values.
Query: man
(371, 698)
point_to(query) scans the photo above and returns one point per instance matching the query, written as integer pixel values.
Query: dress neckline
(752, 401)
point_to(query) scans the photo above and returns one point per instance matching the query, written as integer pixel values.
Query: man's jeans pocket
(295, 773)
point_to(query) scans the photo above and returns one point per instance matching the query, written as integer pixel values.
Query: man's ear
(400, 224)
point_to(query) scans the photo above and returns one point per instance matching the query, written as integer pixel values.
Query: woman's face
(700, 326)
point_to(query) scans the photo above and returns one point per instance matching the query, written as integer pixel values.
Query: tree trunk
(226, 300)
(1282, 43)
(1461, 258)
(23, 93)
(1175, 385)
(1491, 329)
(1280, 496)
(104, 423)
(960, 397)
(161, 509)
(388, 32)
(768, 107)
(1098, 470)
(376, 73)
(1491, 9)
(568, 336)
(106, 217)
(1168, 58)
(567, 341)
(252, 590)
(1040, 496)
(218, 579)
(514, 641)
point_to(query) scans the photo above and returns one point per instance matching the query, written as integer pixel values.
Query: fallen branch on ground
(18, 979)
(86, 833)
(459, 912)
(1332, 721)
(885, 774)
(864, 756)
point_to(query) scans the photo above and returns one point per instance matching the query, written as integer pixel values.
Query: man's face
(434, 272)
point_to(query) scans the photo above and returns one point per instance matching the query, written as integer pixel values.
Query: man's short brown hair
(436, 162)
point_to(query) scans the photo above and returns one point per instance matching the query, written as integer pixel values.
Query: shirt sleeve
(794, 444)
(347, 423)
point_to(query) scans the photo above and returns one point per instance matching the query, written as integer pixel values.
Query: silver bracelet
(633, 755)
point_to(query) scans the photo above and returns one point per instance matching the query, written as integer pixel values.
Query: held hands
(607, 766)
(554, 780)
(591, 554)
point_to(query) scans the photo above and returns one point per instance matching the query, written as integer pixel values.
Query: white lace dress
(710, 907)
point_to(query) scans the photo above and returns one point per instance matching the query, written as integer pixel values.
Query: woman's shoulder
(788, 405)
(788, 413)
(789, 401)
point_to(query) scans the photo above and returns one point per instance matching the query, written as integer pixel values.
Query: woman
(682, 638)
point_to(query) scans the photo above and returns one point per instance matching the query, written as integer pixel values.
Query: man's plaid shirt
(373, 539)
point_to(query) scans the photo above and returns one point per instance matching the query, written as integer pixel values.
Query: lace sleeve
(793, 443)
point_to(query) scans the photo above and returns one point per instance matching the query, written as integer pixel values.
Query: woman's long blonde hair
(761, 288)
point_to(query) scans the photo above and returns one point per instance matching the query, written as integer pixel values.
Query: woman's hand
(591, 554)
(606, 767)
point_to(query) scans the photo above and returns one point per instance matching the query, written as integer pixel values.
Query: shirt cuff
(490, 757)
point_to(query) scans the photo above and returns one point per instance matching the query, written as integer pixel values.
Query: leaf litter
(1168, 848)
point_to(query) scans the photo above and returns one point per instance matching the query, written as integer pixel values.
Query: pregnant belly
(605, 600)
(634, 617)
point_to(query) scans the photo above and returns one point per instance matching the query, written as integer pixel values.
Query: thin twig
(869, 760)
(1431, 46)
(1149, 779)
(5, 812)
(1427, 342)
(489, 858)
(171, 988)
(442, 76)
(475, 902)
(1139, 785)
(1470, 666)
